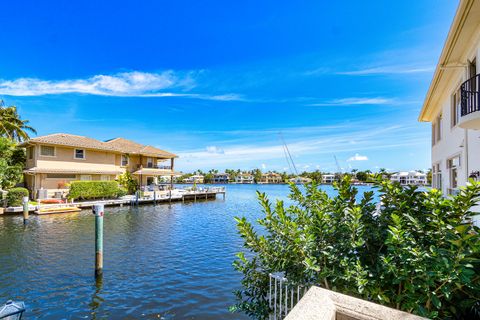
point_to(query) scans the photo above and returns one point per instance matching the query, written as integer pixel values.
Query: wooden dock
(152, 197)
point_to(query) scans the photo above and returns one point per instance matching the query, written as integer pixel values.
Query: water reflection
(172, 261)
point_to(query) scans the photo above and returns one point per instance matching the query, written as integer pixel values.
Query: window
(47, 151)
(452, 165)
(105, 177)
(85, 177)
(149, 162)
(61, 176)
(79, 154)
(30, 151)
(437, 129)
(124, 160)
(456, 108)
(437, 176)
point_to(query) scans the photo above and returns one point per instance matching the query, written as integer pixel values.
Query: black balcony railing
(470, 95)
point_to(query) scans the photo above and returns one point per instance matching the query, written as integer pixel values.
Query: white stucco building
(328, 178)
(452, 103)
(413, 178)
(245, 178)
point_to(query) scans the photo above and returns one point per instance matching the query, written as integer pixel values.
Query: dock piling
(98, 211)
(25, 210)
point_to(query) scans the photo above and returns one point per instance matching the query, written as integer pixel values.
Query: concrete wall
(322, 304)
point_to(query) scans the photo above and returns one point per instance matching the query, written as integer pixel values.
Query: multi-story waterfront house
(271, 177)
(220, 178)
(244, 178)
(452, 103)
(54, 160)
(328, 178)
(197, 178)
(300, 180)
(413, 178)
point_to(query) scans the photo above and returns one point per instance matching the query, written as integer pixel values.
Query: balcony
(470, 106)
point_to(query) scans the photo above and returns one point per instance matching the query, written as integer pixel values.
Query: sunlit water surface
(170, 262)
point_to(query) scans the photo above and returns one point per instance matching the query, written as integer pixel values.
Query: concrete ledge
(322, 304)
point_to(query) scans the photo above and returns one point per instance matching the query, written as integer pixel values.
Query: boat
(57, 210)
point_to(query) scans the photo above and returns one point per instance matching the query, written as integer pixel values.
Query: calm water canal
(170, 262)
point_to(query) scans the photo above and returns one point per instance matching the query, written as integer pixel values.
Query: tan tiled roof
(73, 171)
(132, 147)
(115, 145)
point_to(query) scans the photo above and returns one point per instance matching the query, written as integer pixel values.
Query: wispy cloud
(315, 146)
(355, 101)
(125, 84)
(386, 70)
(357, 157)
(215, 149)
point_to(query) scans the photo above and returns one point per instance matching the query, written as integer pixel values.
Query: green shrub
(94, 190)
(418, 251)
(15, 196)
(127, 181)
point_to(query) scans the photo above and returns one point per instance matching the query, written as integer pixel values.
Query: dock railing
(283, 295)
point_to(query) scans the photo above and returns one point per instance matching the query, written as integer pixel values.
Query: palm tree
(11, 124)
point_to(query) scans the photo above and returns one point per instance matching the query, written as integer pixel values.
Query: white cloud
(124, 84)
(215, 149)
(358, 157)
(240, 152)
(388, 70)
(264, 166)
(355, 101)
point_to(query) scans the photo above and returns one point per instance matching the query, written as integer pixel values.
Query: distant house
(55, 160)
(244, 178)
(220, 178)
(328, 178)
(194, 179)
(300, 180)
(271, 177)
(413, 178)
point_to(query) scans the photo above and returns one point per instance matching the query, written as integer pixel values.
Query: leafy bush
(12, 160)
(15, 196)
(94, 189)
(128, 182)
(418, 251)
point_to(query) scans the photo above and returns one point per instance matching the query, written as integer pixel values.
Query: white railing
(283, 295)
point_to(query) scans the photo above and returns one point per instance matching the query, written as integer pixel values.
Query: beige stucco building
(271, 177)
(57, 159)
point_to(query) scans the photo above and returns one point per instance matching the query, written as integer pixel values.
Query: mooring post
(25, 209)
(98, 210)
(136, 197)
(154, 197)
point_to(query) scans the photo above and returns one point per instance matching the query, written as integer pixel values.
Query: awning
(71, 171)
(155, 172)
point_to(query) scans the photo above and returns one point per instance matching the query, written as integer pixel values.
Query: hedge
(15, 196)
(95, 189)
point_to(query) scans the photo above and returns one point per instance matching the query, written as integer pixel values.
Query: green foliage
(95, 189)
(257, 175)
(418, 251)
(15, 196)
(11, 124)
(12, 160)
(316, 176)
(127, 181)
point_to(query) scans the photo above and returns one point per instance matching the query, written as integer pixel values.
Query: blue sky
(216, 81)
